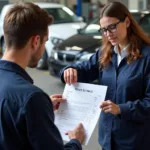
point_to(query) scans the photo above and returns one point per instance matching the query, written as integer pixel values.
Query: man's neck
(19, 57)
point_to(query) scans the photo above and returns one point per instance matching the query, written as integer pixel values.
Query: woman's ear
(127, 21)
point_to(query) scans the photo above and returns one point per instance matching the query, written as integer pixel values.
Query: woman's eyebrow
(107, 26)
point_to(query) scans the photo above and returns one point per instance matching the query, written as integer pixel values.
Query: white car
(66, 24)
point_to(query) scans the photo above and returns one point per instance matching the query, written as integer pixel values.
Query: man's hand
(78, 133)
(70, 76)
(56, 100)
(110, 107)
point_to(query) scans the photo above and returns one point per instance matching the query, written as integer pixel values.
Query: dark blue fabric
(129, 87)
(26, 114)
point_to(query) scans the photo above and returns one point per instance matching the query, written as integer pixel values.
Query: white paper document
(82, 106)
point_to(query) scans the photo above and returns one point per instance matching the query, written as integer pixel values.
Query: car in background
(143, 19)
(81, 46)
(66, 24)
(76, 48)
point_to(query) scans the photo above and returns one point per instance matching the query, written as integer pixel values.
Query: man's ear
(35, 42)
(127, 20)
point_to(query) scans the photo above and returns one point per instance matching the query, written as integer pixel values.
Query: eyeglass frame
(107, 29)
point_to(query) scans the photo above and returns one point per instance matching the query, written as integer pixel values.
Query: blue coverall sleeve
(88, 71)
(139, 110)
(41, 130)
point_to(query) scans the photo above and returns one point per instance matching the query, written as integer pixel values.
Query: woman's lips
(112, 40)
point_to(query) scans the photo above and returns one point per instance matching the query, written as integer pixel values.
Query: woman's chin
(114, 43)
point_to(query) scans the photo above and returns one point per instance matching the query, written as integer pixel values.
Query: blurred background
(88, 8)
(73, 38)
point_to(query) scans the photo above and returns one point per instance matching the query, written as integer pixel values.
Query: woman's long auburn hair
(135, 34)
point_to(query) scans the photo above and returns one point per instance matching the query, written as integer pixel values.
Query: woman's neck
(123, 45)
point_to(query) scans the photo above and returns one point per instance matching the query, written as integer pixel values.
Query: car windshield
(62, 15)
(92, 28)
(136, 16)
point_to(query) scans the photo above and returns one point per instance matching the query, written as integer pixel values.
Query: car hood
(65, 30)
(80, 42)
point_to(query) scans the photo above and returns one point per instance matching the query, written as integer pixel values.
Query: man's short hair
(23, 21)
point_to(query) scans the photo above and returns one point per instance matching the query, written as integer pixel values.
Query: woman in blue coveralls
(122, 64)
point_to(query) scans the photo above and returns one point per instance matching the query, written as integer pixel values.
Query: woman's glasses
(112, 28)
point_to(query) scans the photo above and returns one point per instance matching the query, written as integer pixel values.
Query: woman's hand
(56, 100)
(70, 76)
(110, 107)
